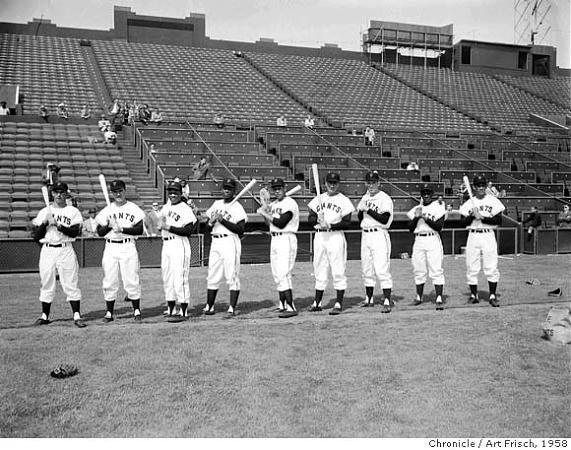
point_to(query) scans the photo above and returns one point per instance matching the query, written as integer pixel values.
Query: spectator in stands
(513, 166)
(152, 220)
(62, 111)
(104, 124)
(133, 114)
(369, 136)
(85, 112)
(156, 116)
(110, 136)
(413, 166)
(309, 122)
(491, 190)
(201, 168)
(503, 193)
(44, 113)
(185, 189)
(564, 217)
(89, 229)
(219, 120)
(144, 114)
(4, 110)
(353, 131)
(534, 221)
(281, 121)
(114, 108)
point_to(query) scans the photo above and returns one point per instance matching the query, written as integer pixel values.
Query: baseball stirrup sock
(171, 306)
(234, 298)
(282, 296)
(74, 306)
(46, 309)
(318, 297)
(492, 285)
(369, 290)
(387, 293)
(438, 288)
(289, 298)
(183, 307)
(136, 304)
(474, 289)
(420, 290)
(340, 295)
(110, 306)
(211, 297)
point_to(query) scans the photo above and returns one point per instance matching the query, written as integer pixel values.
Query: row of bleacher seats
(557, 89)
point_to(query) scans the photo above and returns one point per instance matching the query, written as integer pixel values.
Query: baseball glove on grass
(64, 371)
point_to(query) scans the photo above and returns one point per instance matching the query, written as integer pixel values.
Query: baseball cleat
(417, 302)
(287, 314)
(335, 311)
(108, 319)
(386, 308)
(176, 319)
(41, 321)
(137, 318)
(494, 301)
(315, 309)
(474, 299)
(79, 323)
(365, 304)
(209, 312)
(439, 306)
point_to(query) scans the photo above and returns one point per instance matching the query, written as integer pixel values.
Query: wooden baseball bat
(468, 188)
(244, 191)
(103, 184)
(315, 173)
(46, 196)
(293, 190)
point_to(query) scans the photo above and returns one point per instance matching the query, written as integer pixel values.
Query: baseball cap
(117, 185)
(333, 177)
(60, 187)
(425, 188)
(372, 176)
(479, 179)
(229, 182)
(174, 186)
(277, 182)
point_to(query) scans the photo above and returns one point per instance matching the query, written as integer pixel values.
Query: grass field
(471, 370)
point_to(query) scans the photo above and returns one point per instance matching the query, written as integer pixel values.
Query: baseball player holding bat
(176, 223)
(330, 214)
(228, 220)
(375, 213)
(56, 227)
(283, 221)
(120, 222)
(482, 214)
(426, 222)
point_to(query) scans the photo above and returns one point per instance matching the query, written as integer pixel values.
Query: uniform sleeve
(138, 213)
(101, 218)
(439, 211)
(465, 208)
(410, 214)
(497, 206)
(313, 204)
(37, 221)
(239, 213)
(76, 217)
(347, 207)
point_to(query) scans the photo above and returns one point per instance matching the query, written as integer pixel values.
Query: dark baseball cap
(60, 187)
(117, 185)
(425, 188)
(277, 182)
(229, 183)
(333, 177)
(479, 180)
(372, 176)
(174, 186)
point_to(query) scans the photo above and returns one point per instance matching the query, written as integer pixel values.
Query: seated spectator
(62, 111)
(110, 137)
(4, 110)
(104, 124)
(185, 189)
(200, 169)
(152, 220)
(491, 190)
(85, 112)
(534, 221)
(44, 113)
(309, 122)
(156, 116)
(219, 120)
(413, 166)
(89, 229)
(144, 114)
(354, 132)
(114, 108)
(564, 217)
(281, 121)
(503, 193)
(369, 136)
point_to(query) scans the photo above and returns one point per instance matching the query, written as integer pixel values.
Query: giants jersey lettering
(433, 212)
(334, 207)
(66, 216)
(178, 216)
(234, 214)
(278, 208)
(489, 206)
(125, 216)
(380, 203)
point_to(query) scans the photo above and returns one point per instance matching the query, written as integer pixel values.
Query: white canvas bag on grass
(557, 325)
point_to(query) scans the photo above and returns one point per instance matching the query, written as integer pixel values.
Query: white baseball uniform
(376, 241)
(226, 247)
(175, 255)
(283, 250)
(57, 254)
(120, 254)
(482, 239)
(427, 251)
(330, 246)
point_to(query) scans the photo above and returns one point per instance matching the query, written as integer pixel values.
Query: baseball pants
(330, 251)
(375, 258)
(175, 268)
(224, 262)
(123, 258)
(482, 252)
(283, 251)
(62, 260)
(427, 256)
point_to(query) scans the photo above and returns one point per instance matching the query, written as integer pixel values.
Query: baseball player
(56, 227)
(176, 224)
(330, 214)
(283, 220)
(426, 222)
(375, 213)
(482, 214)
(228, 223)
(120, 223)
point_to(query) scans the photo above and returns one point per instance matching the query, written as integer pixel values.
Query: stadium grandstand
(459, 109)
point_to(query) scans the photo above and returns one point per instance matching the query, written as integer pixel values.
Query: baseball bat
(103, 184)
(46, 196)
(244, 191)
(468, 188)
(293, 190)
(315, 173)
